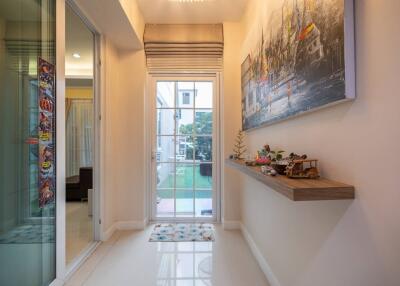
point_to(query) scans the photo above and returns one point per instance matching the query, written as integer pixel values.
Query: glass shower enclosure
(27, 142)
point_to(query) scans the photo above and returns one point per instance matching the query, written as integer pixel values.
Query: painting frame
(349, 78)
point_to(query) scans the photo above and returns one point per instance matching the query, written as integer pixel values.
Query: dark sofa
(77, 186)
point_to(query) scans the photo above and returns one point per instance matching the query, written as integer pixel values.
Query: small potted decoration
(263, 156)
(277, 162)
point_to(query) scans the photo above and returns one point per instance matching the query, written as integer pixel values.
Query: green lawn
(184, 180)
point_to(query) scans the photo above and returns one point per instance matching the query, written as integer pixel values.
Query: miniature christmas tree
(239, 148)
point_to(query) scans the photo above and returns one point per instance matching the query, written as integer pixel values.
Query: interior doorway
(184, 149)
(81, 143)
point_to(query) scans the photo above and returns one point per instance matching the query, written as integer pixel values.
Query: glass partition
(27, 143)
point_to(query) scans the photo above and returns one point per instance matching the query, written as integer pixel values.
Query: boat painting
(304, 60)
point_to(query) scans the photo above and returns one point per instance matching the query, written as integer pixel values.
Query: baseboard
(273, 281)
(106, 235)
(57, 282)
(123, 225)
(131, 225)
(231, 224)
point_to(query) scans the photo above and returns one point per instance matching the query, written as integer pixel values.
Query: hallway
(129, 259)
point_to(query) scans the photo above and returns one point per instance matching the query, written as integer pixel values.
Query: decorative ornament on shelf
(239, 148)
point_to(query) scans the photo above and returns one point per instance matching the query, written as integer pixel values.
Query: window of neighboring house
(186, 98)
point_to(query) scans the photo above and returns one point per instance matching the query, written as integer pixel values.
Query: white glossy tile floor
(129, 259)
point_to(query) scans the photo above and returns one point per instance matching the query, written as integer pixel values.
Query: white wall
(127, 134)
(347, 243)
(124, 182)
(231, 108)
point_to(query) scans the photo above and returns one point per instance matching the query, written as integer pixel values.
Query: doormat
(178, 232)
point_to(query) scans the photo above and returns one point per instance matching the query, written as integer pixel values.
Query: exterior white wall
(347, 243)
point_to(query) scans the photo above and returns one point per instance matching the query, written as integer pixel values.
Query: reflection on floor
(128, 258)
(79, 229)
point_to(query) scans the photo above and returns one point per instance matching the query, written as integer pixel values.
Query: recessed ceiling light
(76, 55)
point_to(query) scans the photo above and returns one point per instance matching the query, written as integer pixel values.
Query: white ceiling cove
(208, 12)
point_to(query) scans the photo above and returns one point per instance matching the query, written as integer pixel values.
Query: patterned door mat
(178, 232)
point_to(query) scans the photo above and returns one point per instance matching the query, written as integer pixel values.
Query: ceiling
(78, 39)
(208, 12)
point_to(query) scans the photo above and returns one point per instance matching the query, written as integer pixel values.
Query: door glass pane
(27, 193)
(184, 149)
(165, 176)
(165, 94)
(165, 149)
(203, 122)
(184, 121)
(184, 203)
(203, 176)
(203, 148)
(204, 207)
(184, 176)
(204, 95)
(165, 121)
(185, 94)
(165, 203)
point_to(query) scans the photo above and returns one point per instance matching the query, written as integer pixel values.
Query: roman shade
(184, 47)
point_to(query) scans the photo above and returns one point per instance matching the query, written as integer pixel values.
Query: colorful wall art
(304, 60)
(47, 174)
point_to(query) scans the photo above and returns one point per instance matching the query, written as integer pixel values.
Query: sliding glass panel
(27, 142)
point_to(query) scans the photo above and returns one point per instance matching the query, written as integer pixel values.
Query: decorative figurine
(294, 156)
(280, 166)
(239, 148)
(276, 155)
(263, 157)
(303, 168)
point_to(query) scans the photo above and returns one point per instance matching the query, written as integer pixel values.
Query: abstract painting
(304, 60)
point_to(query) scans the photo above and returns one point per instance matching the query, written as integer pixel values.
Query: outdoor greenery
(202, 145)
(184, 179)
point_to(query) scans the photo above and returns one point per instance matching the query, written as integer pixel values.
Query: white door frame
(150, 128)
(62, 271)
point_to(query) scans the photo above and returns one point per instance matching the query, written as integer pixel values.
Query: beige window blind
(184, 47)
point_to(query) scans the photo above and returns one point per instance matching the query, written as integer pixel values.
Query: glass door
(184, 150)
(27, 142)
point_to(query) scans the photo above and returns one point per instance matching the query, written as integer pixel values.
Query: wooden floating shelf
(298, 189)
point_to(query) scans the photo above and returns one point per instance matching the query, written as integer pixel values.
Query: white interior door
(184, 148)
